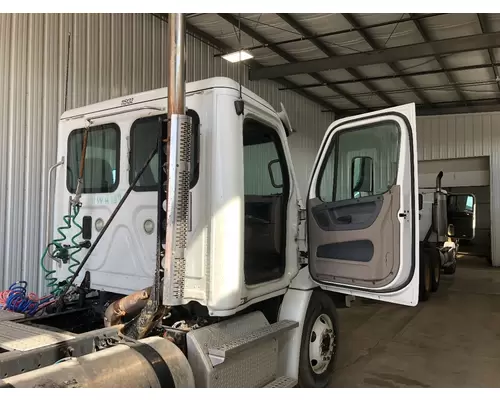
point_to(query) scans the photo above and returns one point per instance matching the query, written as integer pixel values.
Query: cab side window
(101, 171)
(144, 138)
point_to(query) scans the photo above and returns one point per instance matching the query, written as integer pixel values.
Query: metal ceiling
(352, 63)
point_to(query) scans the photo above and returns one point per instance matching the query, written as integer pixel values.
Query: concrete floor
(452, 340)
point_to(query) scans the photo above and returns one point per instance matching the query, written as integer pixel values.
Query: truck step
(218, 354)
(14, 336)
(282, 382)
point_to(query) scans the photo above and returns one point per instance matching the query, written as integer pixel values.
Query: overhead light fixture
(237, 56)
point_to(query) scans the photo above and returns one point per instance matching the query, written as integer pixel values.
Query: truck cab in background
(445, 218)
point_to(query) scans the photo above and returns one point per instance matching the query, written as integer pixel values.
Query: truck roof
(191, 87)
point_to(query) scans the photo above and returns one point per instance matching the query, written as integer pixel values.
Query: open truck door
(362, 207)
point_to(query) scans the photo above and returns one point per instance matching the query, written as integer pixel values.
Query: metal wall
(111, 55)
(462, 136)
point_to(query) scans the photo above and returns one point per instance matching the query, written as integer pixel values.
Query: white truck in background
(248, 300)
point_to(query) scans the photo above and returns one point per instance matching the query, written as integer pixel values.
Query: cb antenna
(67, 73)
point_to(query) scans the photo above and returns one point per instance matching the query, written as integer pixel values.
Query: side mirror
(462, 216)
(274, 168)
(361, 176)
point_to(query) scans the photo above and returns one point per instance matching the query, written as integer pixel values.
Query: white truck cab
(243, 293)
(248, 237)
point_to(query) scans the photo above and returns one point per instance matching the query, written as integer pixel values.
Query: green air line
(63, 252)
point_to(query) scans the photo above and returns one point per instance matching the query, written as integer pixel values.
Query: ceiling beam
(285, 55)
(375, 46)
(485, 28)
(384, 56)
(425, 35)
(443, 108)
(392, 76)
(342, 31)
(221, 46)
(330, 53)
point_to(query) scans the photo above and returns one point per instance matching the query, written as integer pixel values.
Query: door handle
(345, 219)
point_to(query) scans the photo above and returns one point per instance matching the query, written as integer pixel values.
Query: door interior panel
(363, 247)
(349, 214)
(357, 250)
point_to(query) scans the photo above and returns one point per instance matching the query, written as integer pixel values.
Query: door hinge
(302, 215)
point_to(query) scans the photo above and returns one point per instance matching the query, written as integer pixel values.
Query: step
(282, 382)
(218, 354)
(14, 336)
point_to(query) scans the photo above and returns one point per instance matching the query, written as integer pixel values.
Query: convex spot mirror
(461, 216)
(361, 177)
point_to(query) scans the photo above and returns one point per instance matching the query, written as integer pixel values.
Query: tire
(451, 269)
(425, 276)
(435, 260)
(321, 330)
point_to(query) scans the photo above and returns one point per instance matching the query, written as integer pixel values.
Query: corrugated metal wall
(461, 136)
(111, 55)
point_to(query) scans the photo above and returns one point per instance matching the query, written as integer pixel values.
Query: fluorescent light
(237, 56)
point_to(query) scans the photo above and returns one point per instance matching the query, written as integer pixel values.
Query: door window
(360, 162)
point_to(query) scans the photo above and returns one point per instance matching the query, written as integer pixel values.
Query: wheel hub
(321, 344)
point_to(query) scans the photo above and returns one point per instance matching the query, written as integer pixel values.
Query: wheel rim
(321, 344)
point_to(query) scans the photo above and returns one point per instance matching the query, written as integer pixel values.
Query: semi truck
(445, 219)
(185, 255)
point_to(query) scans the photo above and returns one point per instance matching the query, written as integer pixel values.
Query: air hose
(63, 252)
(16, 299)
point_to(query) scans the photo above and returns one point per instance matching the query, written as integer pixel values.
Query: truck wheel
(425, 276)
(451, 269)
(318, 349)
(435, 259)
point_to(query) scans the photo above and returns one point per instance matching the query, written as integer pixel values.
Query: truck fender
(294, 308)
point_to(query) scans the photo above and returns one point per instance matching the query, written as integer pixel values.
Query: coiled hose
(63, 252)
(15, 299)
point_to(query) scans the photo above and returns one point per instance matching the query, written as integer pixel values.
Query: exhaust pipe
(438, 181)
(131, 304)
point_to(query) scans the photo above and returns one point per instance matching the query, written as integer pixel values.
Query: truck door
(362, 207)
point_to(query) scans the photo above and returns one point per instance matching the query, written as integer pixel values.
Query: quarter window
(102, 158)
